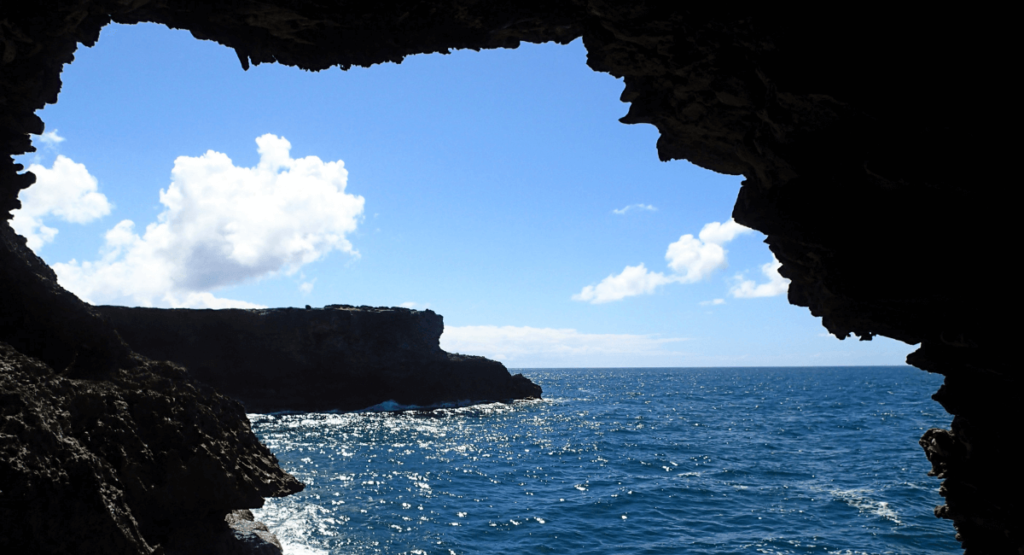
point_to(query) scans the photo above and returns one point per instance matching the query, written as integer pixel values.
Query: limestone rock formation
(138, 458)
(873, 145)
(252, 537)
(236, 534)
(334, 358)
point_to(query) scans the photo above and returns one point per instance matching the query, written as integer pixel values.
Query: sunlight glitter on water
(624, 461)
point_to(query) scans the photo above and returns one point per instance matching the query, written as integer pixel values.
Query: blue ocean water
(631, 461)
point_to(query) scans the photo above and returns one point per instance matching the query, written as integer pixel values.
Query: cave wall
(870, 140)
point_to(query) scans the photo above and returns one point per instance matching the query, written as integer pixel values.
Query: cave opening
(420, 150)
(827, 152)
(502, 176)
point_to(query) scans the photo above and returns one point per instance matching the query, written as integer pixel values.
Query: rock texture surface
(873, 145)
(139, 458)
(338, 357)
(236, 534)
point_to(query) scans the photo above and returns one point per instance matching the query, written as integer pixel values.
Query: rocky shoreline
(137, 460)
(148, 457)
(338, 357)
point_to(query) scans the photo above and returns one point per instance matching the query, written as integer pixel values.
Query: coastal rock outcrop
(136, 459)
(333, 358)
(874, 147)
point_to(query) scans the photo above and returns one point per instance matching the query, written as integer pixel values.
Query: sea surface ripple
(631, 461)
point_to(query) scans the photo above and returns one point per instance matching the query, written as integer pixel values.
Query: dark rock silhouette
(138, 458)
(873, 146)
(335, 358)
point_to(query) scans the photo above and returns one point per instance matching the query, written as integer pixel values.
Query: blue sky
(496, 188)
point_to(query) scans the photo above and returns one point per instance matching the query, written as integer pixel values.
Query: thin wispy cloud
(50, 138)
(712, 302)
(636, 207)
(776, 284)
(555, 346)
(223, 225)
(65, 191)
(691, 259)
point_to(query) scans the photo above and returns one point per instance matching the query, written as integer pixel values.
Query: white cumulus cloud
(722, 233)
(553, 346)
(647, 207)
(776, 284)
(65, 191)
(634, 280)
(696, 258)
(223, 225)
(690, 258)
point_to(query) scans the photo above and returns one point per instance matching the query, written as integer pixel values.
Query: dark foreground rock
(237, 533)
(138, 458)
(249, 536)
(335, 358)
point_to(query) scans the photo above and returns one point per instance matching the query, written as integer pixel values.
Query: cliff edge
(334, 358)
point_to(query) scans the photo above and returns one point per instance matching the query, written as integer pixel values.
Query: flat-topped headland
(338, 357)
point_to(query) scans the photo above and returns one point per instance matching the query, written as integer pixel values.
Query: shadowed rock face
(338, 357)
(872, 144)
(138, 458)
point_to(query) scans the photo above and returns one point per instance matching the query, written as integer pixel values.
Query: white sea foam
(293, 524)
(394, 406)
(299, 549)
(859, 499)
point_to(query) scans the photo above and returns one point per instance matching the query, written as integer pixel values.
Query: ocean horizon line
(780, 367)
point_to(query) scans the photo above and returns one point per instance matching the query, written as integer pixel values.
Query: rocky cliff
(131, 460)
(336, 357)
(873, 143)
